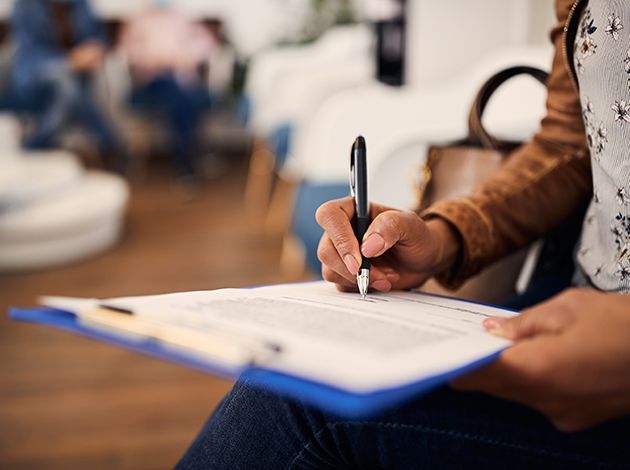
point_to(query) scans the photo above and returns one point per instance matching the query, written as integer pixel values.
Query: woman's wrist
(448, 244)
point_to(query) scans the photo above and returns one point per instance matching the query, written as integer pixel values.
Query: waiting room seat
(29, 177)
(64, 215)
(285, 86)
(10, 132)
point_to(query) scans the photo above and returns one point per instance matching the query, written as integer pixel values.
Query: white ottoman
(27, 177)
(10, 136)
(83, 219)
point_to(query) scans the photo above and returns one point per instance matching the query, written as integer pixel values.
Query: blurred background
(156, 146)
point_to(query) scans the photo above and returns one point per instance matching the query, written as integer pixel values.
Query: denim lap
(255, 429)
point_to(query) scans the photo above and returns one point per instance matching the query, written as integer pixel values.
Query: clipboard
(327, 398)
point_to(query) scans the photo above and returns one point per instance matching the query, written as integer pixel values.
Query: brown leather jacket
(542, 183)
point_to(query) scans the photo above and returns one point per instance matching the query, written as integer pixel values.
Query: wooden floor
(71, 403)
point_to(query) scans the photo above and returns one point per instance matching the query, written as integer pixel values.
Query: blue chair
(268, 157)
(303, 224)
(243, 110)
(279, 143)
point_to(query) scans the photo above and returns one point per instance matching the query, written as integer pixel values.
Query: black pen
(358, 188)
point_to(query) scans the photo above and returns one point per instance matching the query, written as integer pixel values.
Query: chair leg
(139, 149)
(259, 181)
(292, 258)
(279, 214)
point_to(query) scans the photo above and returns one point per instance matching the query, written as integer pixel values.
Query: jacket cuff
(475, 231)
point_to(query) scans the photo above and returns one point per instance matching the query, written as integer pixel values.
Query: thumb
(391, 227)
(540, 320)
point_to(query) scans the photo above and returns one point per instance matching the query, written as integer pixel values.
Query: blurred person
(59, 48)
(560, 396)
(167, 54)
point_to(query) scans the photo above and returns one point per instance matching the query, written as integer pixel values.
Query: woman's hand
(571, 360)
(404, 249)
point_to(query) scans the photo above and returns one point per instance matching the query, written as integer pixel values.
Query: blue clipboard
(327, 398)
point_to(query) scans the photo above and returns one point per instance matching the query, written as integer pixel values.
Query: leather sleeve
(541, 184)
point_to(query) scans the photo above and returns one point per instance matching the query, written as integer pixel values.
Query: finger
(381, 284)
(330, 259)
(380, 279)
(549, 318)
(383, 278)
(387, 229)
(334, 217)
(340, 282)
(391, 275)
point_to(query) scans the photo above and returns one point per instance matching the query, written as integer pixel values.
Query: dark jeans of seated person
(252, 429)
(63, 97)
(182, 107)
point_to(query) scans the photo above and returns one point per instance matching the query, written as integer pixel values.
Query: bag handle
(477, 135)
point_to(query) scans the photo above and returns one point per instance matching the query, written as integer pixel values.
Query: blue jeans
(253, 429)
(182, 107)
(62, 97)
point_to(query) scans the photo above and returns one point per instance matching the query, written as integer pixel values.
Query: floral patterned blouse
(602, 62)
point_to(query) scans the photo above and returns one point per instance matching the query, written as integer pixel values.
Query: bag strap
(477, 135)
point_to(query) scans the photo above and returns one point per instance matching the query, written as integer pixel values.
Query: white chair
(272, 70)
(300, 92)
(389, 117)
(285, 87)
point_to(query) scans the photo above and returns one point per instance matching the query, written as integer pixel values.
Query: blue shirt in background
(36, 37)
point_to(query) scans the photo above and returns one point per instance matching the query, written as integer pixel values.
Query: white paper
(337, 338)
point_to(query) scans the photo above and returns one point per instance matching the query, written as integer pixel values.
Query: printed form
(339, 339)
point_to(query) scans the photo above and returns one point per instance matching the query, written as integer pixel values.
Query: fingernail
(382, 285)
(351, 263)
(373, 245)
(493, 324)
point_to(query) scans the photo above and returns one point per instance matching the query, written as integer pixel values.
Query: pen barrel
(361, 225)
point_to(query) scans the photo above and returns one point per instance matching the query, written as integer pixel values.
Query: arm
(90, 28)
(541, 184)
(89, 53)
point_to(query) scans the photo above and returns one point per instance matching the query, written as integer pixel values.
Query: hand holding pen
(402, 250)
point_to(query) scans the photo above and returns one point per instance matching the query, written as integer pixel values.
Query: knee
(246, 400)
(250, 426)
